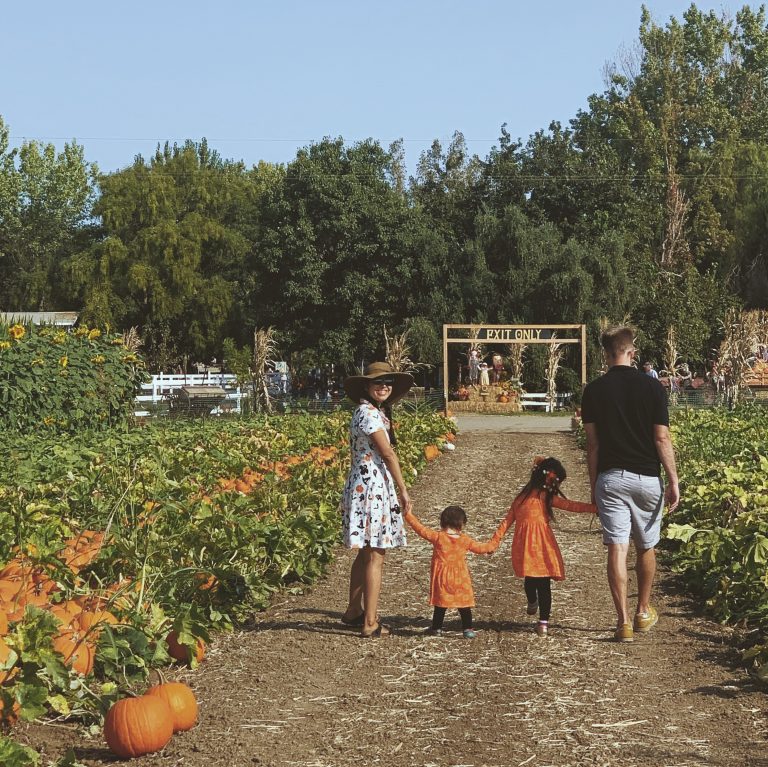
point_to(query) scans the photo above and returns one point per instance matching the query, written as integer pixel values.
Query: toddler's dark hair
(453, 516)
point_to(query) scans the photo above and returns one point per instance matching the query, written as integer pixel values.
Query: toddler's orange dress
(535, 553)
(450, 584)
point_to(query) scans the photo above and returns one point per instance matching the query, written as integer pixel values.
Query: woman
(372, 513)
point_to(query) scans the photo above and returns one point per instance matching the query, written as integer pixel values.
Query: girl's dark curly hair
(547, 475)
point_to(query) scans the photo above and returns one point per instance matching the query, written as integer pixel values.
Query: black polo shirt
(625, 404)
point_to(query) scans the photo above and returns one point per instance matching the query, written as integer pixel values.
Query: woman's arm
(425, 532)
(389, 456)
(566, 505)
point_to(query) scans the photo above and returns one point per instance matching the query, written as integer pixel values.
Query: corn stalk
(264, 351)
(397, 353)
(516, 362)
(554, 356)
(741, 331)
(132, 340)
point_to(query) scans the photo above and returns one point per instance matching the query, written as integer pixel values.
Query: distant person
(536, 556)
(626, 421)
(649, 370)
(450, 584)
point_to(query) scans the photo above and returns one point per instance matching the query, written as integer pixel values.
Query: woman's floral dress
(370, 507)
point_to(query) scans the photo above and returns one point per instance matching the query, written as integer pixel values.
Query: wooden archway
(514, 334)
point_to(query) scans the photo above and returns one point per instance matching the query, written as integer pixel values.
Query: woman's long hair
(547, 475)
(386, 408)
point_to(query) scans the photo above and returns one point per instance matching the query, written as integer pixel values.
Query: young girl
(450, 584)
(535, 553)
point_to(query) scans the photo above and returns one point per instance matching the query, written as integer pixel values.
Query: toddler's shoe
(644, 622)
(469, 634)
(430, 632)
(541, 629)
(624, 633)
(532, 607)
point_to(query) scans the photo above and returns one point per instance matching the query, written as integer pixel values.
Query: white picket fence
(159, 389)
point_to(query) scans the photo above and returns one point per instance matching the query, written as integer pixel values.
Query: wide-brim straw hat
(356, 387)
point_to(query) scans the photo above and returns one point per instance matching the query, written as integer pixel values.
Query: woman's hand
(406, 504)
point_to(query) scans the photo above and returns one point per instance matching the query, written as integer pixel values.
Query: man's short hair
(617, 340)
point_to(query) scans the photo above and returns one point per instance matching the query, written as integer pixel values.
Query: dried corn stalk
(264, 352)
(132, 340)
(516, 361)
(397, 351)
(741, 331)
(671, 355)
(554, 356)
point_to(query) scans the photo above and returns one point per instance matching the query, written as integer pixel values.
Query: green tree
(172, 247)
(46, 200)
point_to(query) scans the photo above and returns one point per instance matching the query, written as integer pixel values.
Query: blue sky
(261, 79)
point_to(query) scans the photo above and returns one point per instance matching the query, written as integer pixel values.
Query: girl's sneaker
(430, 632)
(532, 608)
(541, 629)
(469, 634)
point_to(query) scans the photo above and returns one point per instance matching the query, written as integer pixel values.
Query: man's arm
(666, 454)
(593, 445)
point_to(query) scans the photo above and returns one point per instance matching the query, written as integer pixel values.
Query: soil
(297, 688)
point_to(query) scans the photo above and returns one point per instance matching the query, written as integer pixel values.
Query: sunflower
(17, 332)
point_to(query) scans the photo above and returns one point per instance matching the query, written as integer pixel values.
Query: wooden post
(445, 369)
(583, 356)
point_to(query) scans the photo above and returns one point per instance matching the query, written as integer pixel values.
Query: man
(649, 370)
(626, 421)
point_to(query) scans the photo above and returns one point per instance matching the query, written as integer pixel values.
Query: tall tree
(46, 200)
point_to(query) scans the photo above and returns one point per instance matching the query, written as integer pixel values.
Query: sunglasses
(383, 381)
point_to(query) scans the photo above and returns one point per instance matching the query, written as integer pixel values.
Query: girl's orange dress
(450, 584)
(535, 553)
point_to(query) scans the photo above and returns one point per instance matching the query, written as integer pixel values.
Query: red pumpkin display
(181, 701)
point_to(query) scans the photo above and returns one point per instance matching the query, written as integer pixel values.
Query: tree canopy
(651, 204)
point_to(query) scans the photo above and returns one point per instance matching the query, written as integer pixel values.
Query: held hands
(406, 504)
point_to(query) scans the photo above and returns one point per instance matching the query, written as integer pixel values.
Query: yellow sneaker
(644, 622)
(624, 633)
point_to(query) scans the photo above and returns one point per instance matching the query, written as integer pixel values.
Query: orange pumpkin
(91, 621)
(5, 652)
(9, 715)
(181, 701)
(78, 653)
(3, 622)
(431, 452)
(137, 726)
(183, 653)
(502, 398)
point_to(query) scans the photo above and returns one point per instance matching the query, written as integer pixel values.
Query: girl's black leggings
(540, 590)
(438, 616)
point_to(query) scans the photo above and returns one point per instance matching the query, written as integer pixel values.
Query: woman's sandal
(380, 631)
(358, 620)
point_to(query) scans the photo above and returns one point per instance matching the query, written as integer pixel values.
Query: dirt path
(299, 689)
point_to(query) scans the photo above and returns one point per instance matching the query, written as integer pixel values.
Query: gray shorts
(630, 505)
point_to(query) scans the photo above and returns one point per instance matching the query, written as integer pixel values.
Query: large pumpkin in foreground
(181, 701)
(137, 726)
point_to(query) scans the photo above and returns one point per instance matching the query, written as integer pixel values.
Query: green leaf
(682, 533)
